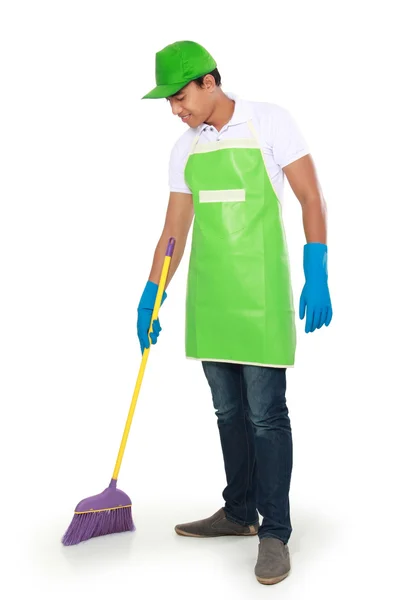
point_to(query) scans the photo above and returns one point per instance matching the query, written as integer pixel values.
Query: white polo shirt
(280, 139)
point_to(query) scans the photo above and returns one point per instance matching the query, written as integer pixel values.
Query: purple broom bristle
(93, 524)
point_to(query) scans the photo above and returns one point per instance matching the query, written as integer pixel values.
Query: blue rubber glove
(315, 295)
(145, 310)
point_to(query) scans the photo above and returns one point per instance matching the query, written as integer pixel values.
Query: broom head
(108, 512)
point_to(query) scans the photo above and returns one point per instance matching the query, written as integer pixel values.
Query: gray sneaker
(273, 563)
(215, 526)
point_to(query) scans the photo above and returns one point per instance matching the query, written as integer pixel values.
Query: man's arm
(178, 220)
(315, 296)
(303, 180)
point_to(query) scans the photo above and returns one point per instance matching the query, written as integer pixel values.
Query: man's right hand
(145, 310)
(178, 220)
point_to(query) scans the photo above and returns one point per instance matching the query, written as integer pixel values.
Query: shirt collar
(239, 114)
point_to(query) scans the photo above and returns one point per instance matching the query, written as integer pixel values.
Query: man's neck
(222, 112)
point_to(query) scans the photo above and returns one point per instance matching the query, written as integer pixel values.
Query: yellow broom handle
(157, 304)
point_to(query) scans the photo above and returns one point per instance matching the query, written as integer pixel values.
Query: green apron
(239, 304)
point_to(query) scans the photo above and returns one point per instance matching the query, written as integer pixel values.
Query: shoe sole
(272, 580)
(186, 534)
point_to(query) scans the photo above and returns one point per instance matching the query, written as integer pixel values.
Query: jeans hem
(267, 535)
(239, 522)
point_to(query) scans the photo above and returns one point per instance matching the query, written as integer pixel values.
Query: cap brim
(163, 91)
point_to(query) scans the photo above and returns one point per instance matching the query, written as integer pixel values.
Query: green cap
(177, 65)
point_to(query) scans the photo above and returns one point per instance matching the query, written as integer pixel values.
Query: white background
(84, 190)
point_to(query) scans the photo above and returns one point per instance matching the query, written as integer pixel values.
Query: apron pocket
(221, 212)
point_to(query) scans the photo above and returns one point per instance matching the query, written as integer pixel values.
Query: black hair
(199, 81)
(215, 73)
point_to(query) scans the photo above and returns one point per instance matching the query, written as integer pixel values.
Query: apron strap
(196, 139)
(253, 130)
(256, 137)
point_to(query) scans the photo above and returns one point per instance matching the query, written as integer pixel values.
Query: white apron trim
(224, 144)
(238, 362)
(251, 142)
(222, 195)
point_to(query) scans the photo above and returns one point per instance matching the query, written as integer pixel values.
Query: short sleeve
(288, 143)
(177, 163)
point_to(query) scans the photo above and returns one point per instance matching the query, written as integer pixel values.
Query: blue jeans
(256, 439)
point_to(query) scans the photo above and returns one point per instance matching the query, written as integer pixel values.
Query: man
(227, 170)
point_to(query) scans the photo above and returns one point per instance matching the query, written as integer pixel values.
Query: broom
(111, 510)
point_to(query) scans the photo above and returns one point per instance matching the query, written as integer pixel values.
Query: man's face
(192, 104)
